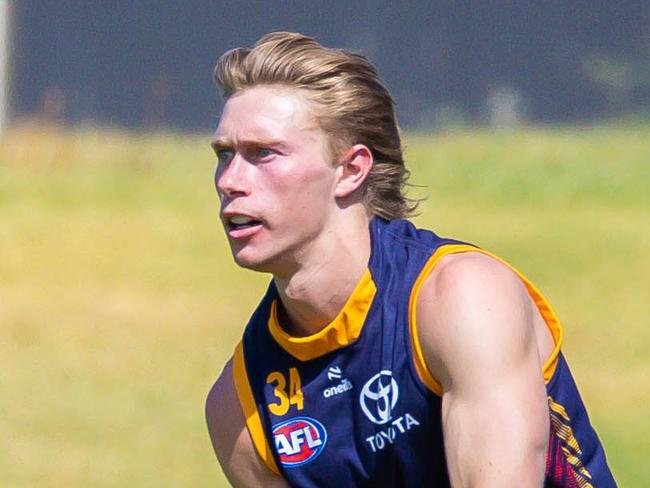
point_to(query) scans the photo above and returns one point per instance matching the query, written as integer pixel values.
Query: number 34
(280, 391)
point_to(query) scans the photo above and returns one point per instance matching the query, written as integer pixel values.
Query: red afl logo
(299, 440)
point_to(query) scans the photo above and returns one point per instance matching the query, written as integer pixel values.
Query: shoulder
(472, 310)
(471, 276)
(226, 425)
(230, 438)
(470, 283)
(221, 404)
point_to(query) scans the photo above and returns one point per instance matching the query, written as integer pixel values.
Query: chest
(358, 413)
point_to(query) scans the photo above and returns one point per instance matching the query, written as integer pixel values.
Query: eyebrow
(217, 144)
(222, 143)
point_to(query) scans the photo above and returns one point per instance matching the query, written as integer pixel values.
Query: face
(274, 179)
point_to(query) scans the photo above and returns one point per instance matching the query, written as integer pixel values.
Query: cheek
(313, 178)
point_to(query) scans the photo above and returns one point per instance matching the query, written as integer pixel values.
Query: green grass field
(119, 301)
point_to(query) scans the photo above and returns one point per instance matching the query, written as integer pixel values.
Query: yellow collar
(343, 330)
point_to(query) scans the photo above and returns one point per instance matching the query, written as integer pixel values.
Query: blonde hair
(351, 103)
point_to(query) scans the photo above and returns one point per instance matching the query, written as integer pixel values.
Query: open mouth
(240, 222)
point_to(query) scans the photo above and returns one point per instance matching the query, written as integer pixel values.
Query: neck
(316, 291)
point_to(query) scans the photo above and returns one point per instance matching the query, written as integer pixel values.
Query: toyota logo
(379, 396)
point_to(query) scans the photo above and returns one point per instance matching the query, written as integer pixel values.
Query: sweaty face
(274, 180)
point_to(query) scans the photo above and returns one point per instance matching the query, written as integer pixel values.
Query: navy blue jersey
(355, 405)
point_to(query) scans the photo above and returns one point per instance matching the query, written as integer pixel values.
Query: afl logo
(379, 396)
(299, 440)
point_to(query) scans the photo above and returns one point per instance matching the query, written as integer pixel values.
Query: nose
(231, 179)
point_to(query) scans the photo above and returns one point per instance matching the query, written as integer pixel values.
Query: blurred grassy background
(119, 301)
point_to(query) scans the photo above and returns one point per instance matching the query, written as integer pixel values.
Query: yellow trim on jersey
(542, 304)
(249, 408)
(343, 330)
(418, 357)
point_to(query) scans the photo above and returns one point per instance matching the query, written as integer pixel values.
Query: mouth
(239, 226)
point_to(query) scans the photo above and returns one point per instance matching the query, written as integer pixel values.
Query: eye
(224, 156)
(263, 153)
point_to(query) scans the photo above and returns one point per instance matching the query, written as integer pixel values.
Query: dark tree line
(149, 63)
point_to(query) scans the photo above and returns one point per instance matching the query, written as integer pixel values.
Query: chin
(254, 263)
(277, 258)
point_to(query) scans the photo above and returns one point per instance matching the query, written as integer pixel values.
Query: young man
(381, 354)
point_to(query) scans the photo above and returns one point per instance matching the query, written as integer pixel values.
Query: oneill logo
(334, 373)
(342, 387)
(379, 396)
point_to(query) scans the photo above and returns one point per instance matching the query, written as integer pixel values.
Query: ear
(353, 170)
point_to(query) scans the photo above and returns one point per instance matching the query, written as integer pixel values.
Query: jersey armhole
(249, 408)
(540, 301)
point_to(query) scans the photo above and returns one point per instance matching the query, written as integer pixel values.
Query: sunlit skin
(287, 207)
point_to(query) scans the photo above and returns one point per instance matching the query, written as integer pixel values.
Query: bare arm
(476, 328)
(231, 440)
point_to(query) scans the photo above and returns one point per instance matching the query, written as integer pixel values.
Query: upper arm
(230, 438)
(475, 325)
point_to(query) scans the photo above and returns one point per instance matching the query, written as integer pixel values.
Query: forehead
(266, 112)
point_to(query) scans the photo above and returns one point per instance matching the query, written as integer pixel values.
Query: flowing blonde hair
(351, 103)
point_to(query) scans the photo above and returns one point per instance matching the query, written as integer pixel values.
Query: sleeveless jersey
(355, 405)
